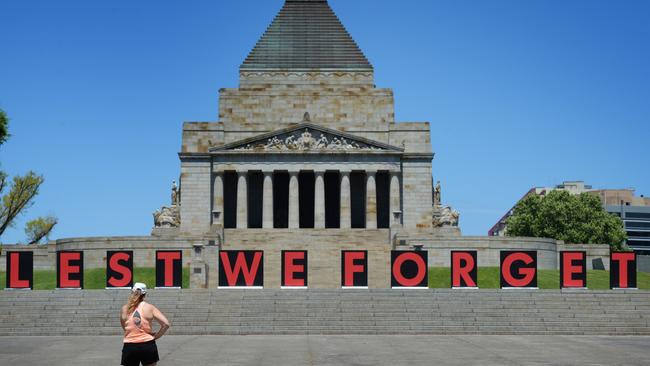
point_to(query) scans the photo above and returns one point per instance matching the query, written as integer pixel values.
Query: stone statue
(167, 217)
(445, 216)
(305, 141)
(290, 142)
(306, 117)
(322, 142)
(174, 194)
(436, 194)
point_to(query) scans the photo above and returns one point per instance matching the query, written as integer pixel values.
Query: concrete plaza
(337, 350)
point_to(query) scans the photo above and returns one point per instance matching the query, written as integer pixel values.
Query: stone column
(217, 199)
(346, 216)
(267, 201)
(371, 201)
(395, 201)
(242, 200)
(319, 200)
(294, 204)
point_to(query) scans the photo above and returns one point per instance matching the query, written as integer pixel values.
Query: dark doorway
(306, 199)
(332, 200)
(383, 200)
(230, 200)
(255, 191)
(281, 200)
(358, 199)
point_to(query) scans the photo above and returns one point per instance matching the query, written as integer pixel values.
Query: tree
(4, 127)
(20, 197)
(577, 219)
(39, 228)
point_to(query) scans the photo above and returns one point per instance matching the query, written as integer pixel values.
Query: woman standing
(139, 339)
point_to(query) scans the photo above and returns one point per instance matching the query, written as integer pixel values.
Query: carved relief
(295, 74)
(307, 140)
(169, 216)
(445, 216)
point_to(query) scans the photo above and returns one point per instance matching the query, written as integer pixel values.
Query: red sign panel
(294, 268)
(241, 268)
(573, 269)
(409, 269)
(622, 270)
(518, 269)
(169, 268)
(354, 268)
(119, 269)
(69, 269)
(20, 270)
(464, 269)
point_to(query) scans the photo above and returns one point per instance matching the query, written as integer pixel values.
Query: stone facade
(298, 117)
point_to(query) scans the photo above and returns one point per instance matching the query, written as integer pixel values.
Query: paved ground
(337, 350)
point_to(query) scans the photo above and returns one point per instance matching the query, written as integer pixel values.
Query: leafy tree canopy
(577, 219)
(4, 127)
(21, 195)
(39, 228)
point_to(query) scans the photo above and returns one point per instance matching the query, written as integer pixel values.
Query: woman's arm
(162, 320)
(123, 318)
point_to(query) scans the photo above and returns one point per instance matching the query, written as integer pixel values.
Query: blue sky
(518, 93)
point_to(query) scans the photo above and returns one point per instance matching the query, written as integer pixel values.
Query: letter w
(241, 266)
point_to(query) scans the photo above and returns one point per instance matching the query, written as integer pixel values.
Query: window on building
(637, 225)
(637, 215)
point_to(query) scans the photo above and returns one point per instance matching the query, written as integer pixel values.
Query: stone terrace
(232, 312)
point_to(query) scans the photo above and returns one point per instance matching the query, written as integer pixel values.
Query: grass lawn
(96, 278)
(488, 277)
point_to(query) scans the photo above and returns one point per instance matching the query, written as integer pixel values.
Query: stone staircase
(441, 311)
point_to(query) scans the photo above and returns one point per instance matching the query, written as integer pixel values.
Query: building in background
(633, 210)
(635, 213)
(573, 187)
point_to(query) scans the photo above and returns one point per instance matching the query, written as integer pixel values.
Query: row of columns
(319, 199)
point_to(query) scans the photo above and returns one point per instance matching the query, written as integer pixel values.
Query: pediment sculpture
(305, 140)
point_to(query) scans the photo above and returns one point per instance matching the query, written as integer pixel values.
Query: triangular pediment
(306, 137)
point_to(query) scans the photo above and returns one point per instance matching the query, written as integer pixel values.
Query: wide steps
(95, 312)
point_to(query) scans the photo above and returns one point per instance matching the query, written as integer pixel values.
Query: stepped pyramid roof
(306, 34)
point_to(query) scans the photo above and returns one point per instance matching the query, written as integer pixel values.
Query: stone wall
(323, 245)
(416, 194)
(269, 101)
(324, 248)
(196, 196)
(95, 248)
(413, 137)
(489, 247)
(198, 137)
(44, 255)
(594, 252)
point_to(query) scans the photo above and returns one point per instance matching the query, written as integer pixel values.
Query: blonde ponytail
(134, 300)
